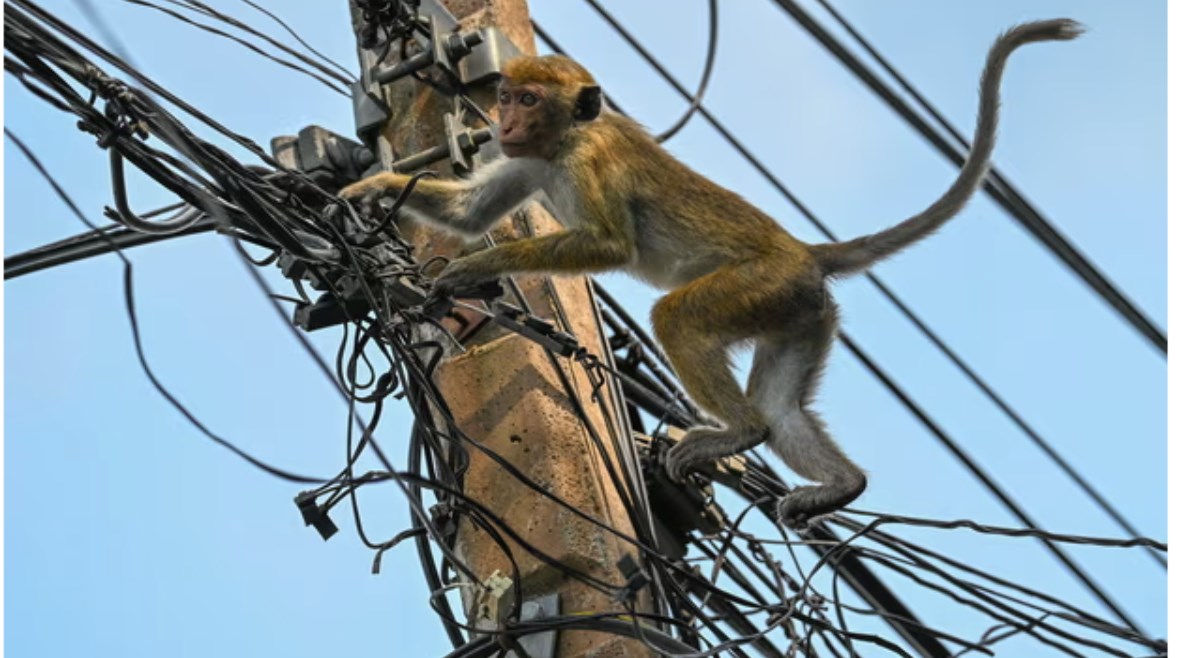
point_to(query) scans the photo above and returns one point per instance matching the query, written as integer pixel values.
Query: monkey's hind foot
(702, 445)
(804, 504)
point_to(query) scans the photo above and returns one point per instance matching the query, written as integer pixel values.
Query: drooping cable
(1099, 499)
(997, 187)
(708, 65)
(867, 361)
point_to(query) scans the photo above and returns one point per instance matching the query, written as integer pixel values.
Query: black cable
(1000, 190)
(1009, 532)
(89, 44)
(1050, 451)
(347, 72)
(902, 306)
(129, 295)
(866, 360)
(697, 99)
(176, 130)
(221, 33)
(909, 550)
(987, 480)
(345, 78)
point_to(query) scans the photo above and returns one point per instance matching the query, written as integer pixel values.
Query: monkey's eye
(504, 97)
(528, 99)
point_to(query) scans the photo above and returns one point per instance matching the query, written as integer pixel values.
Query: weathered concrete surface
(504, 392)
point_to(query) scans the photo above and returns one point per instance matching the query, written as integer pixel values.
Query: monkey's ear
(588, 103)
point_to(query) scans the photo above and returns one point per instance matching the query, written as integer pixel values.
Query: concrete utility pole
(506, 393)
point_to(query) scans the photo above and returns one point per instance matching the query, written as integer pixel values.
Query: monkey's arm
(568, 252)
(469, 207)
(603, 240)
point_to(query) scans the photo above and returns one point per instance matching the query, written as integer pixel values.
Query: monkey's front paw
(360, 189)
(440, 298)
(356, 192)
(442, 289)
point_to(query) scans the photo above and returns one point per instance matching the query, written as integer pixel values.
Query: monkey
(733, 275)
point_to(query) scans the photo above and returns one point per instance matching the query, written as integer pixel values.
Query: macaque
(733, 274)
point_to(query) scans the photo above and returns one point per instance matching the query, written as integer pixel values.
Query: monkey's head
(540, 99)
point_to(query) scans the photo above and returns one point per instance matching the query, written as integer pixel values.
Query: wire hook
(122, 213)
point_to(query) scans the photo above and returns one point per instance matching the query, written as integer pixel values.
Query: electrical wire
(1088, 488)
(1003, 193)
(702, 607)
(252, 47)
(937, 432)
(347, 74)
(709, 63)
(970, 373)
(132, 315)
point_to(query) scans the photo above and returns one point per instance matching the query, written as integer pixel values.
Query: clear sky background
(129, 534)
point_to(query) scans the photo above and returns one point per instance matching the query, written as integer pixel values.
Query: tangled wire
(711, 586)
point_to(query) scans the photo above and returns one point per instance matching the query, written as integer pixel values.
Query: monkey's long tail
(841, 258)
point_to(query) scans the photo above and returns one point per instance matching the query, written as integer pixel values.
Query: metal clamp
(328, 159)
(444, 52)
(537, 329)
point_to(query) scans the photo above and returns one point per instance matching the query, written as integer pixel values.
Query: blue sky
(127, 533)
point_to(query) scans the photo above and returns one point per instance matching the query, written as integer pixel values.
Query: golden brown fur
(734, 275)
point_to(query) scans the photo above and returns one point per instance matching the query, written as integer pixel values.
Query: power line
(1054, 455)
(346, 72)
(986, 480)
(406, 366)
(866, 360)
(708, 65)
(997, 187)
(329, 73)
(129, 297)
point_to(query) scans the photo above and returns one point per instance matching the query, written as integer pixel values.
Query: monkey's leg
(785, 371)
(696, 326)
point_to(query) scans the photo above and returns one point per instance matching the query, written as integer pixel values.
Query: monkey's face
(530, 123)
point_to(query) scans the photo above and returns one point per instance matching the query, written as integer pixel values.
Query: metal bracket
(539, 645)
(494, 602)
(486, 59)
(485, 62)
(461, 145)
(329, 159)
(435, 10)
(370, 111)
(469, 58)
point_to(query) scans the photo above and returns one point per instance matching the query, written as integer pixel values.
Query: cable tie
(314, 515)
(635, 578)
